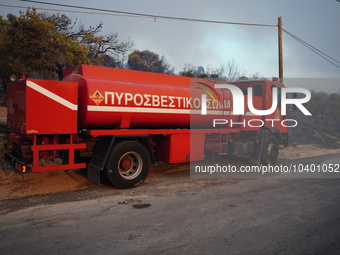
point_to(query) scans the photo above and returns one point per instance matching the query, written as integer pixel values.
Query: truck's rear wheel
(128, 164)
(270, 150)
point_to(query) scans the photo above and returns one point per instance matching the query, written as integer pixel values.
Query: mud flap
(93, 175)
(100, 154)
(255, 158)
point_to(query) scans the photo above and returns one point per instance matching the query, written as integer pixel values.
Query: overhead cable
(328, 58)
(72, 11)
(315, 50)
(153, 16)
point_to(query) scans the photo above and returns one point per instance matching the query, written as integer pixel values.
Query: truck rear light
(20, 168)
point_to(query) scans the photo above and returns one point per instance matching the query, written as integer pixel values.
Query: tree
(317, 105)
(38, 43)
(29, 44)
(232, 72)
(99, 46)
(229, 72)
(3, 30)
(193, 71)
(188, 73)
(149, 61)
(334, 105)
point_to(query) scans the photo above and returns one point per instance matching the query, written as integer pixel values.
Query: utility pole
(280, 50)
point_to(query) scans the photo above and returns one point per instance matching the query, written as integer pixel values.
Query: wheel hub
(130, 165)
(272, 150)
(126, 163)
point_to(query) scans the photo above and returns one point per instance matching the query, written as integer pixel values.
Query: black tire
(270, 150)
(128, 164)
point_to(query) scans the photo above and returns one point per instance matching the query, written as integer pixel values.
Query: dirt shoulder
(305, 142)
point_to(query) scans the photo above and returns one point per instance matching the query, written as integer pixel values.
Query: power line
(155, 17)
(72, 11)
(295, 37)
(135, 14)
(315, 50)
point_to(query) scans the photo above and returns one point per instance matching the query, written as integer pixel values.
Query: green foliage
(29, 43)
(203, 76)
(37, 43)
(194, 71)
(149, 62)
(188, 73)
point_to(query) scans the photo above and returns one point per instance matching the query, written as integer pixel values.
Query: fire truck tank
(110, 98)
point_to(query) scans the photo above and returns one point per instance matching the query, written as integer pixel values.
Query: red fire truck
(118, 122)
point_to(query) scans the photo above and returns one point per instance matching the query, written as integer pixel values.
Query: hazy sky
(254, 49)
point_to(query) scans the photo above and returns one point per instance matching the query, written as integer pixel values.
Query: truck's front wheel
(128, 164)
(270, 150)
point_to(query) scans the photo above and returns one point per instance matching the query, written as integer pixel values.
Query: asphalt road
(248, 216)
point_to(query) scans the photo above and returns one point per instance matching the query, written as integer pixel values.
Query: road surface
(247, 216)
